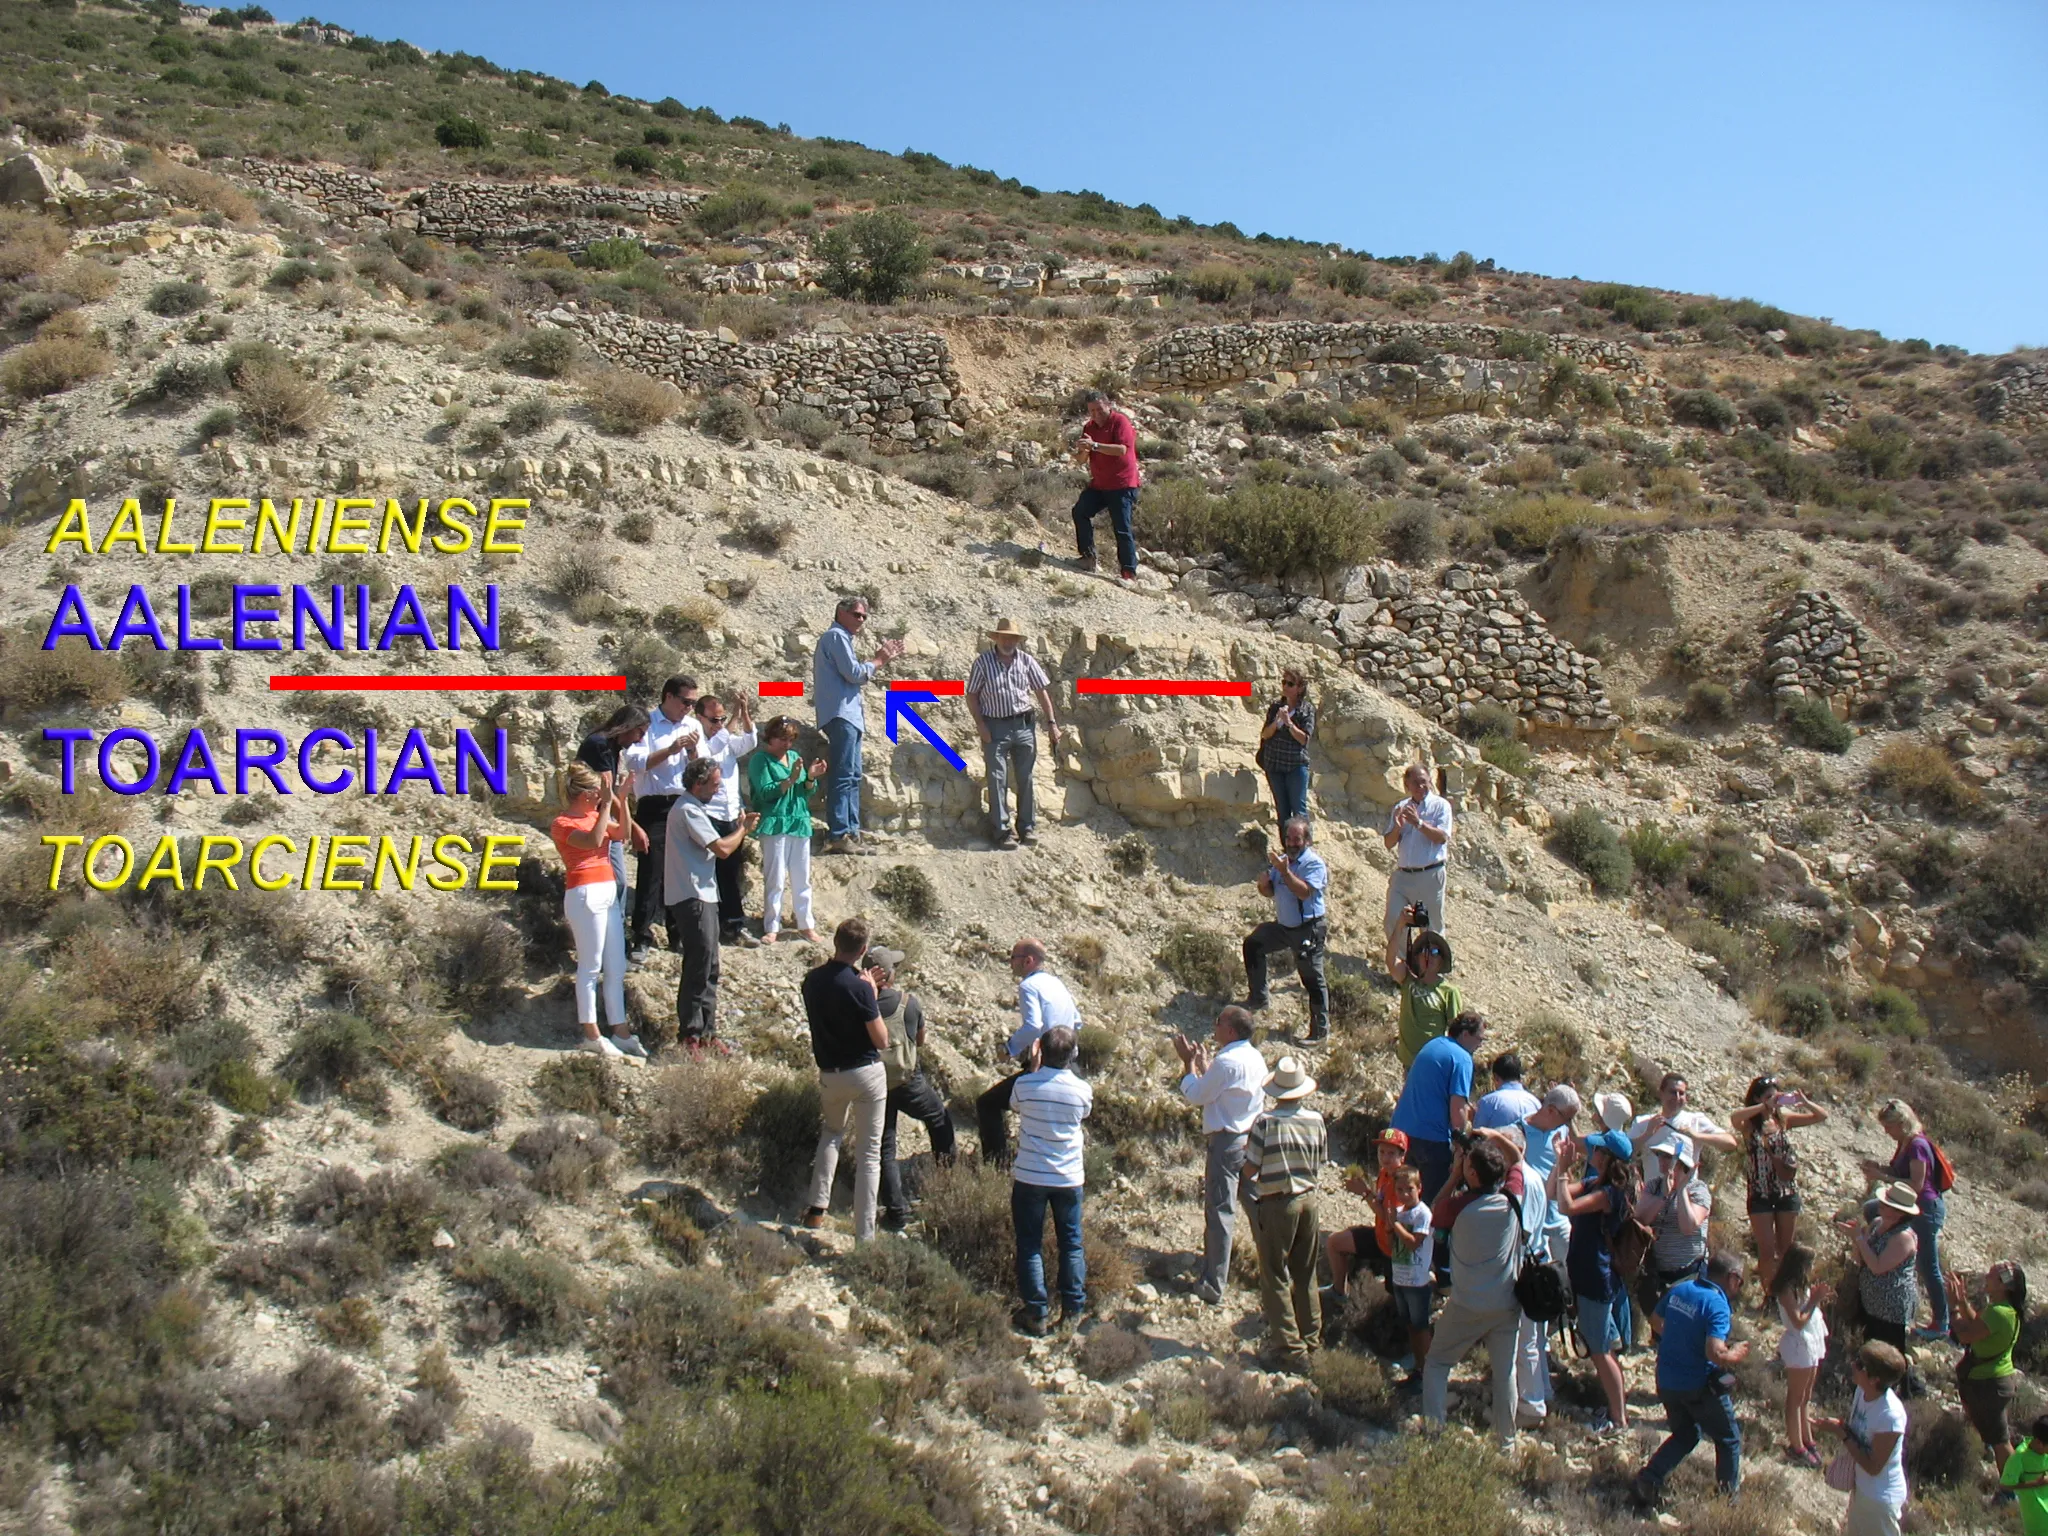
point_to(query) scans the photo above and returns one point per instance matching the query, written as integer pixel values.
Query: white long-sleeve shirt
(1043, 1002)
(726, 749)
(665, 777)
(1232, 1092)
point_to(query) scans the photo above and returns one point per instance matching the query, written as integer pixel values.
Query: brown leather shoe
(814, 1218)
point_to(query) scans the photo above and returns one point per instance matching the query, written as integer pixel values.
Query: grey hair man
(1298, 881)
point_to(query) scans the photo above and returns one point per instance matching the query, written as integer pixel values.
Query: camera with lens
(1418, 915)
(1465, 1141)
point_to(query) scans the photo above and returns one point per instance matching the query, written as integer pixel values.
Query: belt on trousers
(1418, 869)
(1006, 719)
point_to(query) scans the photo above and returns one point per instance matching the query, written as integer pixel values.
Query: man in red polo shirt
(1109, 447)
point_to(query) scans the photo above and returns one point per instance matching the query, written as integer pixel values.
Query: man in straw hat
(1282, 1157)
(1003, 685)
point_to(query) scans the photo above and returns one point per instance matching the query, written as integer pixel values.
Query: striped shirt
(1050, 1103)
(1286, 1150)
(1003, 688)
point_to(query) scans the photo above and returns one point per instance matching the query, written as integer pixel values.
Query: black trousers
(1307, 941)
(697, 993)
(989, 1113)
(916, 1097)
(651, 812)
(732, 915)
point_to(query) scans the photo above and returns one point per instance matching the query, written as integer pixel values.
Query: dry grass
(52, 364)
(1920, 773)
(693, 1107)
(628, 403)
(199, 189)
(279, 401)
(29, 244)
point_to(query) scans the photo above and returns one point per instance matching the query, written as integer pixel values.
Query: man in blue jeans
(1051, 1102)
(1108, 449)
(837, 678)
(1693, 1359)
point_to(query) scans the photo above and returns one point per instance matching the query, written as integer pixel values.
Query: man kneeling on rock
(910, 1091)
(1296, 880)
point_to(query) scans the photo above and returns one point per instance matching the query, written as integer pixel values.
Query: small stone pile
(2018, 390)
(1817, 648)
(1474, 640)
(1218, 354)
(899, 385)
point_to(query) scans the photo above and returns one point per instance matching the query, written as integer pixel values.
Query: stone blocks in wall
(1816, 648)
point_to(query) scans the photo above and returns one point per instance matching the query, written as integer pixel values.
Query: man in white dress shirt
(1230, 1088)
(1043, 1003)
(1418, 835)
(725, 747)
(657, 762)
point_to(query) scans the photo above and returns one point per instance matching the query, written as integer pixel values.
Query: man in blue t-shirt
(1436, 1100)
(1298, 882)
(1693, 1357)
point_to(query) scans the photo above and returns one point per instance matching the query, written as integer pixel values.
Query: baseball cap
(1680, 1147)
(1614, 1143)
(887, 959)
(1393, 1138)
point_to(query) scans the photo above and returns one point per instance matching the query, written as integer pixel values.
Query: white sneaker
(629, 1045)
(1531, 1415)
(601, 1046)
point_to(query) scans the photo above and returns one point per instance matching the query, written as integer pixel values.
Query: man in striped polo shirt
(1051, 1103)
(1002, 686)
(1283, 1157)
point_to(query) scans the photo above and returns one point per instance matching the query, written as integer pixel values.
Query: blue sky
(1880, 164)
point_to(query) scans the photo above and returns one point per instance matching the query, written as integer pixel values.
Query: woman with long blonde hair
(583, 835)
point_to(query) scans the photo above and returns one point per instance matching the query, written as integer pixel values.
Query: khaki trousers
(1285, 1232)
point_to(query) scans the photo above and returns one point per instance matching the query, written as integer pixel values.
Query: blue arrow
(899, 703)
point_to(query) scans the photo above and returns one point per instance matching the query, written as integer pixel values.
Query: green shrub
(638, 158)
(836, 169)
(1110, 1354)
(33, 679)
(782, 1128)
(1811, 723)
(461, 133)
(1584, 840)
(1215, 283)
(565, 1159)
(335, 1053)
(1704, 408)
(1005, 1399)
(1530, 524)
(1638, 307)
(72, 1108)
(293, 274)
(1931, 862)
(925, 1293)
(1726, 881)
(1890, 1011)
(1348, 275)
(910, 891)
(618, 254)
(1413, 532)
(477, 957)
(175, 298)
(1205, 963)
(1659, 854)
(1803, 1009)
(737, 207)
(628, 403)
(672, 1331)
(535, 412)
(1354, 1385)
(524, 1295)
(875, 257)
(467, 1100)
(1151, 1498)
(547, 353)
(182, 381)
(1878, 448)
(1279, 529)
(1709, 703)
(2008, 891)
(1436, 1483)
(1272, 281)
(806, 424)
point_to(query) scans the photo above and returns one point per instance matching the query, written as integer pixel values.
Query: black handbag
(1542, 1289)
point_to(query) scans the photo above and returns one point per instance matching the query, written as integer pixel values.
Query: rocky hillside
(1722, 623)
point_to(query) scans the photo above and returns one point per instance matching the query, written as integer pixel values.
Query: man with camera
(1418, 958)
(1485, 1242)
(1296, 878)
(1418, 835)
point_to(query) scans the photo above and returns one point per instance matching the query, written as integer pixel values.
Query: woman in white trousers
(590, 904)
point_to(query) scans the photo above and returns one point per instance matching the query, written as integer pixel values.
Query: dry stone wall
(1201, 356)
(2019, 392)
(1816, 648)
(899, 385)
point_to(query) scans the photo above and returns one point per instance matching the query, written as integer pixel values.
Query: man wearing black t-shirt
(847, 1039)
(600, 750)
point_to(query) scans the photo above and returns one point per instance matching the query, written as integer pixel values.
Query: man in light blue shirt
(1509, 1103)
(837, 678)
(1296, 879)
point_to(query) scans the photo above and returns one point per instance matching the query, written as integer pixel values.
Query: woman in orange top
(583, 836)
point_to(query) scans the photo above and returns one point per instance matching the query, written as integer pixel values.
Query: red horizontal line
(292, 682)
(781, 690)
(949, 686)
(1162, 685)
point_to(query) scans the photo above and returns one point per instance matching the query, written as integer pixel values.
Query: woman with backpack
(1919, 1164)
(1771, 1169)
(1599, 1206)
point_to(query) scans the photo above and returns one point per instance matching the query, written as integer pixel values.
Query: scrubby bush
(782, 1130)
(671, 1332)
(183, 381)
(926, 1294)
(1704, 408)
(521, 1294)
(547, 353)
(1638, 307)
(1802, 1009)
(1659, 854)
(565, 1158)
(1890, 1011)
(1112, 1353)
(1811, 723)
(1150, 1498)
(634, 157)
(765, 533)
(1725, 880)
(1413, 533)
(1584, 839)
(467, 1100)
(1708, 703)
(276, 400)
(461, 133)
(737, 207)
(335, 1053)
(950, 474)
(478, 957)
(727, 417)
(1005, 1399)
(114, 977)
(1215, 283)
(52, 364)
(33, 679)
(805, 424)
(910, 891)
(1130, 854)
(579, 1084)
(619, 254)
(1878, 447)
(875, 257)
(1530, 525)
(628, 403)
(535, 413)
(1205, 963)
(2008, 888)
(175, 298)
(1920, 773)
(1435, 1483)
(1353, 1384)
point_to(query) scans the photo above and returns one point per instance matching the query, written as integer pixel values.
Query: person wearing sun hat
(1886, 1245)
(1676, 1205)
(1003, 685)
(1283, 1156)
(1428, 1002)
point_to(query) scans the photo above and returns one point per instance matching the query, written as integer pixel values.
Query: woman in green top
(1428, 1002)
(778, 784)
(1986, 1378)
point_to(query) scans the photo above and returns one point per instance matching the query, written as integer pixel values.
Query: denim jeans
(1290, 791)
(1012, 748)
(1123, 507)
(842, 777)
(1709, 1412)
(1927, 1226)
(1028, 1205)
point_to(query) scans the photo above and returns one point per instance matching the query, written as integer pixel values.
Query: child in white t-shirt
(1874, 1439)
(1802, 1347)
(1414, 1248)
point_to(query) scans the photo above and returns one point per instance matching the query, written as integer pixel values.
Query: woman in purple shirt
(1913, 1164)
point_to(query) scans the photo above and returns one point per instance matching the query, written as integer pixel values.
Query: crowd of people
(1497, 1217)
